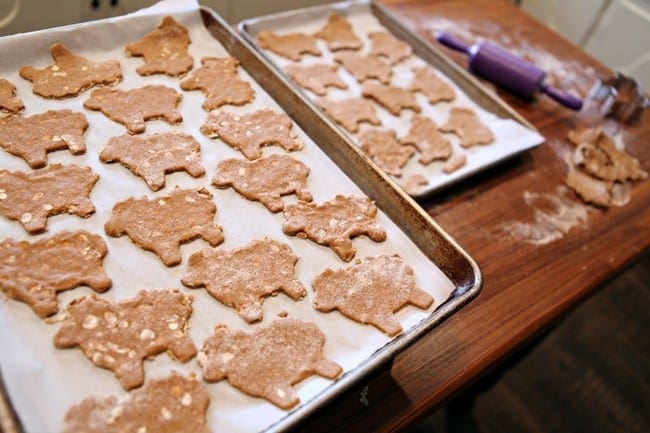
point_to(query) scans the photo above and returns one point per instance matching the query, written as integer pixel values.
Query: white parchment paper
(511, 137)
(42, 381)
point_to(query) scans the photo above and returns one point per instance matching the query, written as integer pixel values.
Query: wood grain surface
(532, 274)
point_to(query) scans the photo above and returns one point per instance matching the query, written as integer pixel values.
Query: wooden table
(527, 285)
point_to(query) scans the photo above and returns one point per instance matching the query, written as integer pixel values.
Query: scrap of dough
(597, 155)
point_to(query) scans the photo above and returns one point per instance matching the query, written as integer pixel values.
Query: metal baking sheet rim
(421, 46)
(463, 294)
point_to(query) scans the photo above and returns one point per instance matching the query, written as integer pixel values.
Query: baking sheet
(511, 137)
(43, 382)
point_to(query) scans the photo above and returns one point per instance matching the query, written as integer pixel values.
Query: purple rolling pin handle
(564, 98)
(451, 42)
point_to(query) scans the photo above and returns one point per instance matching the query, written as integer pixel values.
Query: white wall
(616, 32)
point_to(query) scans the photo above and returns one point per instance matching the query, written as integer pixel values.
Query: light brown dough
(334, 223)
(161, 224)
(383, 147)
(466, 124)
(349, 113)
(34, 273)
(30, 198)
(426, 138)
(454, 163)
(70, 74)
(219, 80)
(268, 361)
(427, 82)
(133, 107)
(8, 101)
(291, 45)
(316, 77)
(119, 337)
(414, 184)
(338, 34)
(597, 155)
(394, 99)
(242, 278)
(371, 291)
(152, 156)
(164, 50)
(174, 404)
(386, 45)
(364, 67)
(265, 179)
(31, 138)
(590, 189)
(248, 133)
